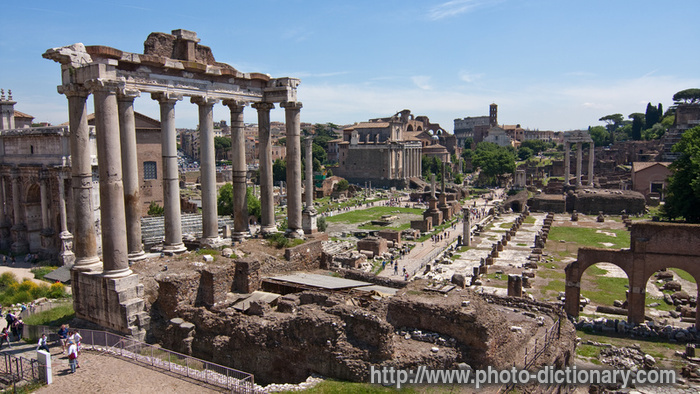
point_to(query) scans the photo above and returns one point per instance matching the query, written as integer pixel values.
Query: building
(475, 127)
(651, 178)
(498, 136)
(384, 151)
(687, 117)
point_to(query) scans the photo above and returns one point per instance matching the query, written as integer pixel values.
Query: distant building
(651, 178)
(687, 117)
(498, 136)
(475, 127)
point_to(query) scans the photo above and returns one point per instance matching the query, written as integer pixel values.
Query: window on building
(150, 170)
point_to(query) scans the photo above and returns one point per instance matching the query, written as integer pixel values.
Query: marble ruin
(579, 138)
(173, 66)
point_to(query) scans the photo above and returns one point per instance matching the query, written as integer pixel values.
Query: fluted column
(44, 197)
(239, 169)
(210, 224)
(2, 200)
(567, 163)
(19, 228)
(579, 158)
(112, 213)
(66, 255)
(130, 173)
(267, 207)
(293, 125)
(308, 216)
(171, 187)
(85, 241)
(591, 154)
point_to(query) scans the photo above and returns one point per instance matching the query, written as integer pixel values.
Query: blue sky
(548, 64)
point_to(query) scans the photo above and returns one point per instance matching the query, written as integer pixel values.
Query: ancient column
(171, 187)
(467, 227)
(567, 163)
(20, 246)
(308, 219)
(2, 200)
(210, 223)
(130, 173)
(267, 206)
(579, 159)
(4, 226)
(239, 169)
(591, 154)
(66, 255)
(293, 125)
(112, 213)
(44, 197)
(85, 239)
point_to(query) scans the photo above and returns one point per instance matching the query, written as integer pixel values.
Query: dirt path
(105, 374)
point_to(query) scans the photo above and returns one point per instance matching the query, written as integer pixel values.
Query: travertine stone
(130, 173)
(267, 207)
(171, 188)
(293, 126)
(85, 239)
(112, 216)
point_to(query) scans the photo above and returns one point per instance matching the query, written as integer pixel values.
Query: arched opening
(515, 206)
(672, 294)
(419, 128)
(605, 287)
(410, 128)
(33, 194)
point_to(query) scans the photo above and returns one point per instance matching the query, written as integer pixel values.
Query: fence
(44, 306)
(16, 368)
(177, 363)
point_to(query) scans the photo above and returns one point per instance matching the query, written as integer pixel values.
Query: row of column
(579, 159)
(411, 162)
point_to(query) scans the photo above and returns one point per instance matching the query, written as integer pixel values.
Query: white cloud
(469, 77)
(422, 81)
(454, 8)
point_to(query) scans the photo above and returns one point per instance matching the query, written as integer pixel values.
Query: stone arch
(515, 206)
(419, 128)
(683, 263)
(33, 194)
(410, 128)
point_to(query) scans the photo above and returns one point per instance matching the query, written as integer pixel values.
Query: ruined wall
(305, 256)
(547, 203)
(610, 203)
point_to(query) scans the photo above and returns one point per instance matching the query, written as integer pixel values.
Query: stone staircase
(153, 230)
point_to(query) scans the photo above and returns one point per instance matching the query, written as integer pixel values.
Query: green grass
(589, 237)
(337, 387)
(377, 267)
(401, 227)
(529, 219)
(554, 285)
(203, 251)
(373, 213)
(684, 275)
(608, 290)
(589, 351)
(40, 272)
(53, 317)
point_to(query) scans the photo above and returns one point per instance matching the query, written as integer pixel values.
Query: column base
(112, 274)
(308, 221)
(294, 233)
(87, 264)
(240, 235)
(214, 243)
(66, 258)
(175, 248)
(265, 230)
(136, 256)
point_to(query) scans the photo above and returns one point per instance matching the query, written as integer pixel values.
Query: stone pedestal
(308, 220)
(114, 303)
(66, 256)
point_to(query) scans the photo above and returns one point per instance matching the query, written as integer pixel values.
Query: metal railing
(17, 368)
(168, 360)
(552, 334)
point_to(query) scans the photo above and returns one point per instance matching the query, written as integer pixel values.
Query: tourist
(18, 328)
(72, 356)
(5, 337)
(75, 337)
(43, 345)
(63, 335)
(396, 269)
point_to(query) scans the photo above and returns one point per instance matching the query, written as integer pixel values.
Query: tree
(637, 125)
(524, 153)
(224, 201)
(253, 204)
(613, 122)
(342, 185)
(468, 142)
(155, 210)
(683, 198)
(279, 171)
(599, 135)
(321, 224)
(537, 146)
(494, 160)
(687, 96)
(651, 116)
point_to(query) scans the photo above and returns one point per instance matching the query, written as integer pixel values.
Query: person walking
(5, 337)
(72, 356)
(43, 344)
(63, 335)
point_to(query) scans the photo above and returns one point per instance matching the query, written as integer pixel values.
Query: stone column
(239, 168)
(579, 159)
(20, 245)
(267, 207)
(112, 213)
(308, 219)
(171, 187)
(293, 125)
(44, 196)
(2, 200)
(130, 173)
(66, 255)
(567, 164)
(467, 227)
(85, 242)
(210, 223)
(591, 154)
(5, 238)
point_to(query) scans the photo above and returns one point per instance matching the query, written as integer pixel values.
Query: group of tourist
(14, 328)
(440, 237)
(70, 339)
(11, 260)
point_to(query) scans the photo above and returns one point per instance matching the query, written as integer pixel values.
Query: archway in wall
(32, 210)
(515, 206)
(409, 128)
(604, 284)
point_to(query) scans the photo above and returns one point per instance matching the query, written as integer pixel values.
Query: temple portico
(107, 292)
(579, 138)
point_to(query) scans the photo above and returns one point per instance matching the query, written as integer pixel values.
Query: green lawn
(53, 317)
(684, 275)
(373, 213)
(589, 237)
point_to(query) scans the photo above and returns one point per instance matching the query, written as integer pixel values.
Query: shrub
(7, 279)
(57, 290)
(278, 240)
(155, 209)
(321, 224)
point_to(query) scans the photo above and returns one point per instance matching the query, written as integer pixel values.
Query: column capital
(103, 85)
(166, 97)
(128, 95)
(235, 105)
(263, 106)
(290, 105)
(73, 90)
(203, 100)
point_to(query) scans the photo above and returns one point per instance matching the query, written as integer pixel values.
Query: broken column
(66, 255)
(293, 125)
(308, 219)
